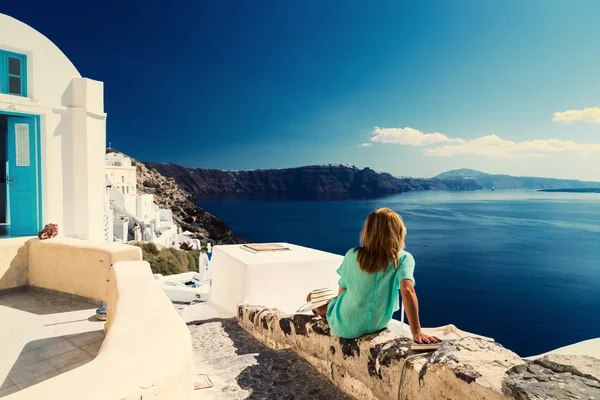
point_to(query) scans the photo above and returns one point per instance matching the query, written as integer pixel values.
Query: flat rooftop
(295, 254)
(43, 335)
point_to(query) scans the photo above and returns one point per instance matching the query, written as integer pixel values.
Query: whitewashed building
(52, 139)
(121, 173)
(127, 207)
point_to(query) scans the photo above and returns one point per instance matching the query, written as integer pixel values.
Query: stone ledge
(554, 377)
(382, 366)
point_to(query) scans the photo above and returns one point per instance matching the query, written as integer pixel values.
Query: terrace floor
(43, 335)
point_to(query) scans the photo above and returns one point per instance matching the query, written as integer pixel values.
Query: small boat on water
(183, 288)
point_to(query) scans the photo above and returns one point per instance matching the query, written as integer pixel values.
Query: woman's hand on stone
(420, 337)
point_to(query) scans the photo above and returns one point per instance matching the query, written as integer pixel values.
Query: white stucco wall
(167, 237)
(121, 228)
(144, 206)
(72, 131)
(118, 160)
(147, 352)
(165, 219)
(273, 279)
(116, 198)
(124, 179)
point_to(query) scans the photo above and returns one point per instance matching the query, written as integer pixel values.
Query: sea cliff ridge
(341, 182)
(315, 182)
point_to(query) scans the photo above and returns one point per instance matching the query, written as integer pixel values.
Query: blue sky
(272, 84)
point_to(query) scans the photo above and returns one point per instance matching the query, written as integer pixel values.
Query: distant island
(340, 182)
(590, 190)
(491, 181)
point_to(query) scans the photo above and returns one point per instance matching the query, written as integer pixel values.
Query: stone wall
(382, 366)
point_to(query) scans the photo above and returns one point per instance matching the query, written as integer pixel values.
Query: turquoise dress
(370, 300)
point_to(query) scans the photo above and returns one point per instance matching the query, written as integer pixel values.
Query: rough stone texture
(372, 366)
(240, 367)
(554, 377)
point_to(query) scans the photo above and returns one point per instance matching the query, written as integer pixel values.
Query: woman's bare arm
(341, 290)
(411, 306)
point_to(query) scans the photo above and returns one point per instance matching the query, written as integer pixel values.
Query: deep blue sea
(522, 267)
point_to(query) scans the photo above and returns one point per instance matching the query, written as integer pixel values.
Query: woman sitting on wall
(371, 276)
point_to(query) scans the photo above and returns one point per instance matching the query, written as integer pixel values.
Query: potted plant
(49, 231)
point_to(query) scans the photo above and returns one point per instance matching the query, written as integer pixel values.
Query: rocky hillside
(167, 194)
(319, 182)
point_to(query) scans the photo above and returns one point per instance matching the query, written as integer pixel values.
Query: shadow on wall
(64, 129)
(14, 259)
(66, 99)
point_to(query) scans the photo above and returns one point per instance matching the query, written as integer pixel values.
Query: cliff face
(309, 183)
(168, 194)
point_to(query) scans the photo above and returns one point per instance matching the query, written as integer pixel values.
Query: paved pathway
(240, 367)
(43, 335)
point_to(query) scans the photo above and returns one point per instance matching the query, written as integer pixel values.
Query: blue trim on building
(6, 73)
(38, 159)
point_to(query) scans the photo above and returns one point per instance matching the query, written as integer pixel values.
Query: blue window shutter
(5, 73)
(24, 73)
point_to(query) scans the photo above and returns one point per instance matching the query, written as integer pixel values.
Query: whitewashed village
(135, 217)
(83, 316)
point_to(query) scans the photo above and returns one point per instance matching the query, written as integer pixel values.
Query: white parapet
(589, 347)
(74, 266)
(147, 353)
(279, 279)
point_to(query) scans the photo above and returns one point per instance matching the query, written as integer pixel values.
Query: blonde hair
(381, 239)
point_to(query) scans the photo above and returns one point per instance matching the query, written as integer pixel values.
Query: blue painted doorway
(22, 179)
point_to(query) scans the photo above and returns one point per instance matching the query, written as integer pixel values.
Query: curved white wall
(72, 131)
(147, 352)
(50, 71)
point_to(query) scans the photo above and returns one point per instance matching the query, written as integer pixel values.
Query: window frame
(5, 74)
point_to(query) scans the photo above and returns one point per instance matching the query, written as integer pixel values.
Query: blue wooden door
(22, 177)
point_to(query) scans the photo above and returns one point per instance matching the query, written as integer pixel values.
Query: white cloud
(588, 115)
(488, 146)
(365, 145)
(409, 137)
(496, 147)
